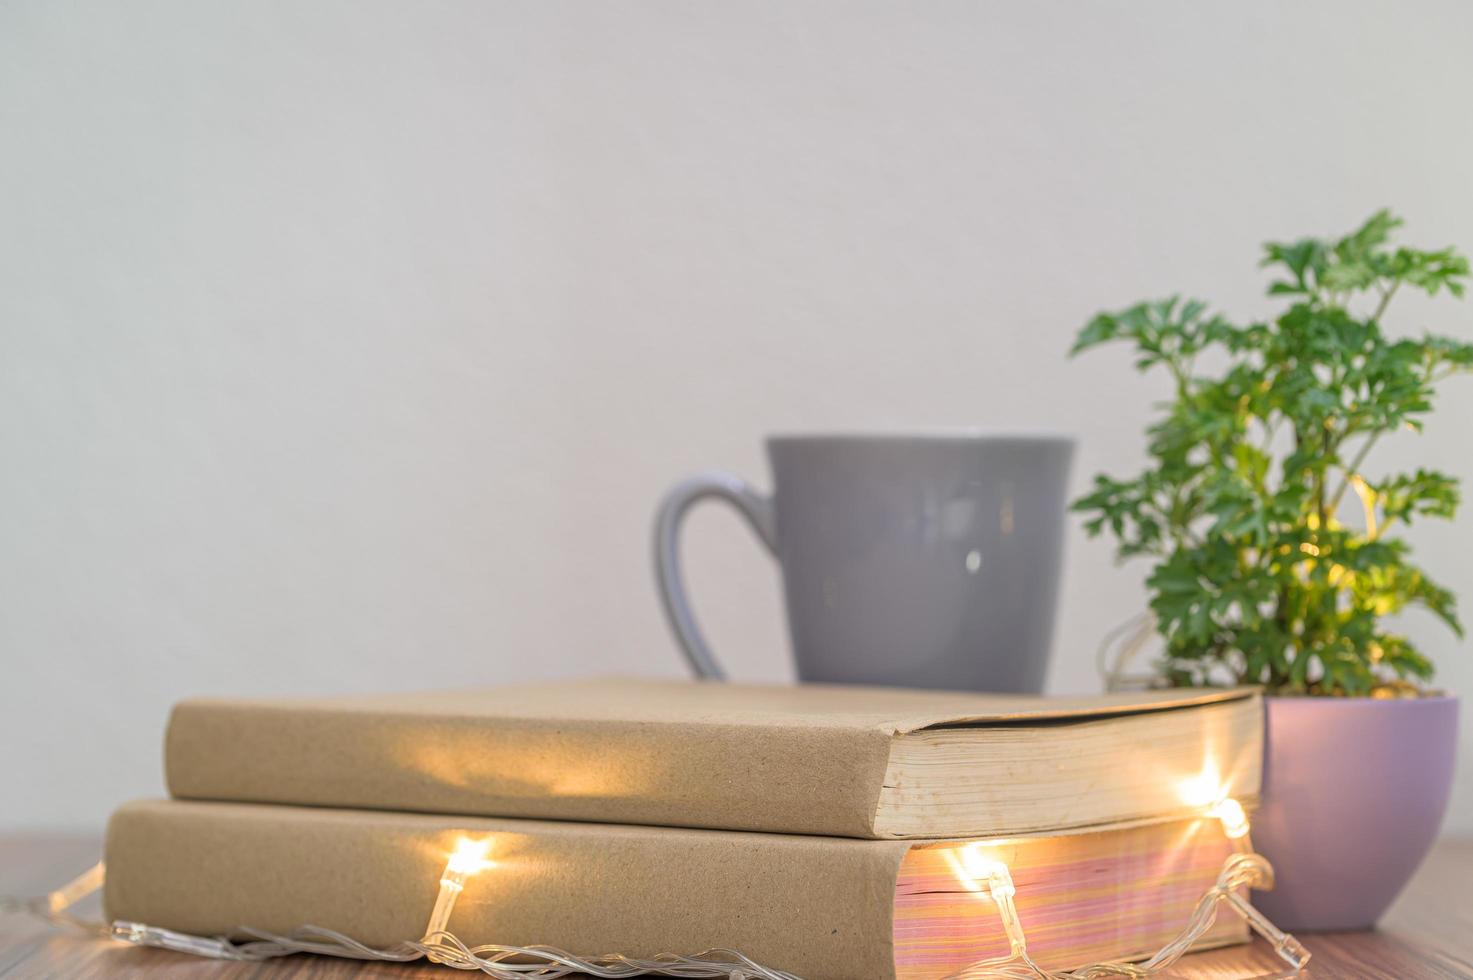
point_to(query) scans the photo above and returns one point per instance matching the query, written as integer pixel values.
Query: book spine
(819, 907)
(799, 779)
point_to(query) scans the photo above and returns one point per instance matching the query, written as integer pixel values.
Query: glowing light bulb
(984, 869)
(1203, 789)
(1234, 819)
(468, 858)
(987, 871)
(1208, 792)
(77, 889)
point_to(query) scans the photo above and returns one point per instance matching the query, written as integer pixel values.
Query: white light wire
(1240, 870)
(496, 961)
(1119, 647)
(541, 962)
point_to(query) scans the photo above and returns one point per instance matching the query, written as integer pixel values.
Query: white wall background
(348, 345)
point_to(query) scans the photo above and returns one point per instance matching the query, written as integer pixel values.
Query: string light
(1234, 818)
(496, 961)
(54, 906)
(1207, 792)
(468, 858)
(1230, 813)
(976, 868)
(1242, 869)
(994, 875)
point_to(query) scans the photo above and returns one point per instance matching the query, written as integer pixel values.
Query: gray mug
(918, 561)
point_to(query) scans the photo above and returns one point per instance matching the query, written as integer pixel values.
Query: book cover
(814, 759)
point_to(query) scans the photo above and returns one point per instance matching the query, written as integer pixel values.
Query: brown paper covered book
(815, 759)
(823, 908)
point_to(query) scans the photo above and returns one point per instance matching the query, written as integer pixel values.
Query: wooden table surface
(1428, 934)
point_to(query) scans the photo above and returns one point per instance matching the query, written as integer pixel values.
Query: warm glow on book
(1080, 897)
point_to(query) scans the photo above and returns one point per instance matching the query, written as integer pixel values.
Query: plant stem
(1360, 457)
(1354, 468)
(1386, 295)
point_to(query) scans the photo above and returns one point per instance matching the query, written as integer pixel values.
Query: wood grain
(1428, 935)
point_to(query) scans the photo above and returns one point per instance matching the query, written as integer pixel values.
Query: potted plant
(1277, 558)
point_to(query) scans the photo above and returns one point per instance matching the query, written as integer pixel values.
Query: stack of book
(815, 829)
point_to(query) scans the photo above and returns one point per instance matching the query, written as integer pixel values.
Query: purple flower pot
(1354, 790)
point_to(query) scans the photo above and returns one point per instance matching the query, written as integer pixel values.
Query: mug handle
(759, 514)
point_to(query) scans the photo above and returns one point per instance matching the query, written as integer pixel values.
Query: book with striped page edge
(823, 908)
